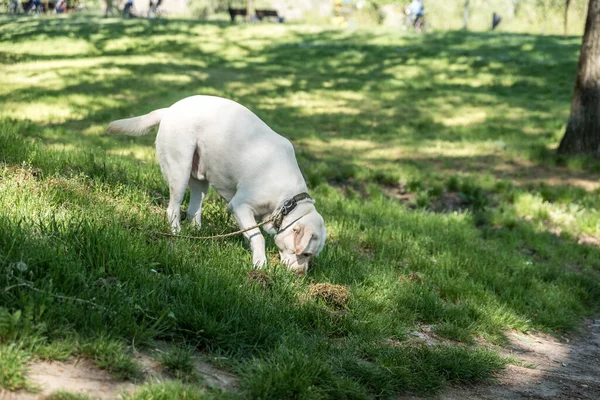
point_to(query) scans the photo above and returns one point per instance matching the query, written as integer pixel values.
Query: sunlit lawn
(429, 156)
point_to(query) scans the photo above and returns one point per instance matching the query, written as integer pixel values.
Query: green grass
(467, 117)
(179, 363)
(171, 390)
(112, 356)
(12, 367)
(62, 395)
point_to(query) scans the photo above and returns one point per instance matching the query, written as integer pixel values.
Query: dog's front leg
(245, 219)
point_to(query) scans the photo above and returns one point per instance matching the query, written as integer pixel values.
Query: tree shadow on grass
(387, 110)
(336, 61)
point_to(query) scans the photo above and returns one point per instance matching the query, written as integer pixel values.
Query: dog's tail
(137, 126)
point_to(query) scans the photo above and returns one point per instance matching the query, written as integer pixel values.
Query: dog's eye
(307, 254)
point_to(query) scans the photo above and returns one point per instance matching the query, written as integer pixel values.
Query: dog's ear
(302, 236)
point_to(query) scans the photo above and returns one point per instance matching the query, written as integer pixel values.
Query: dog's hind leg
(176, 192)
(175, 160)
(198, 190)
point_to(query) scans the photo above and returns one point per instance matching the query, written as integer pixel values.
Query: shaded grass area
(179, 363)
(470, 115)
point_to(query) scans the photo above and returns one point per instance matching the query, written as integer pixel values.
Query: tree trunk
(518, 4)
(249, 10)
(510, 9)
(582, 135)
(466, 16)
(566, 22)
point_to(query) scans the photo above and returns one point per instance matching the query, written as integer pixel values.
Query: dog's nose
(299, 269)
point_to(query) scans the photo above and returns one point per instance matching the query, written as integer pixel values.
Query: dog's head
(302, 241)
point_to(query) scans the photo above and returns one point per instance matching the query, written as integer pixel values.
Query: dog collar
(287, 207)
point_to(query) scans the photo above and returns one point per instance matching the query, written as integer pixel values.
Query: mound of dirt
(334, 295)
(259, 277)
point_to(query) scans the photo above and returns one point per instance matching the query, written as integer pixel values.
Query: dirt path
(82, 376)
(551, 369)
(78, 376)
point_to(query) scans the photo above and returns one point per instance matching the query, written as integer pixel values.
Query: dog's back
(232, 144)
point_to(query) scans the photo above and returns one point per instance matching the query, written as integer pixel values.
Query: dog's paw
(259, 261)
(196, 224)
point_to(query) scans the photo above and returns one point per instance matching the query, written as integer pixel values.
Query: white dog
(206, 140)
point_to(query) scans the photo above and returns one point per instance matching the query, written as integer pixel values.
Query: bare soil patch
(83, 377)
(520, 171)
(76, 376)
(549, 368)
